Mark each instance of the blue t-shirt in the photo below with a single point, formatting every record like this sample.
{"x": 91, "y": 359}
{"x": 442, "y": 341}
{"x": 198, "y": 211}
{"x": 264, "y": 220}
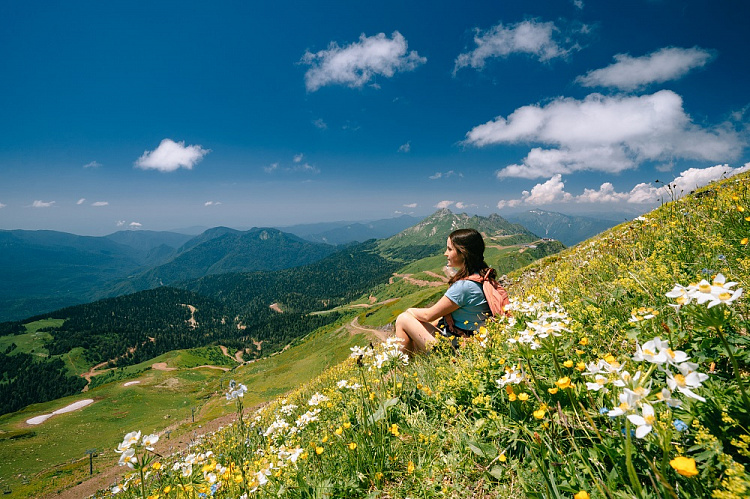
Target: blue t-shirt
{"x": 473, "y": 309}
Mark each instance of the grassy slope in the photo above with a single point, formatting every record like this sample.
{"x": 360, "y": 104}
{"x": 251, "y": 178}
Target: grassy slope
{"x": 33, "y": 458}
{"x": 459, "y": 434}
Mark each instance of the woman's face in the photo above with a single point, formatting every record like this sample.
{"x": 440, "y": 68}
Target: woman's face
{"x": 455, "y": 259}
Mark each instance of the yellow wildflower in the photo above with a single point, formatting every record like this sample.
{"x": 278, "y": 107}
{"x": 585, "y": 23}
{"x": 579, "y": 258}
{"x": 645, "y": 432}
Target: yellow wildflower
{"x": 582, "y": 495}
{"x": 523, "y": 396}
{"x": 512, "y": 397}
{"x": 502, "y": 458}
{"x": 352, "y": 445}
{"x": 319, "y": 450}
{"x": 563, "y": 382}
{"x": 685, "y": 466}
{"x": 156, "y": 466}
{"x": 339, "y": 431}
{"x": 568, "y": 363}
{"x": 167, "y": 489}
{"x": 410, "y": 467}
{"x": 539, "y": 413}
{"x": 584, "y": 341}
{"x": 744, "y": 241}
{"x": 581, "y": 366}
{"x": 552, "y": 390}
{"x": 347, "y": 425}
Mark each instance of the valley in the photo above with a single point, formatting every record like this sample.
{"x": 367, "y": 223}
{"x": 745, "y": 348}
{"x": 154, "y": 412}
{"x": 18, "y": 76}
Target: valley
{"x": 158, "y": 359}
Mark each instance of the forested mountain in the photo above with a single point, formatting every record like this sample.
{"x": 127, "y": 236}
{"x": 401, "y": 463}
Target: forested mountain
{"x": 51, "y": 269}
{"x": 568, "y": 229}
{"x": 429, "y": 235}
{"x": 222, "y": 250}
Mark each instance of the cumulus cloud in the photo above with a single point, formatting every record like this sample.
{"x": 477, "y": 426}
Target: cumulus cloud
{"x": 630, "y": 73}
{"x": 81, "y": 201}
{"x": 405, "y": 147}
{"x": 444, "y": 204}
{"x": 171, "y": 156}
{"x": 542, "y": 40}
{"x": 462, "y": 206}
{"x": 135, "y": 225}
{"x": 410, "y": 205}
{"x": 553, "y": 190}
{"x": 42, "y": 204}
{"x": 359, "y": 63}
{"x": 271, "y": 168}
{"x": 212, "y": 203}
{"x": 2, "y": 205}
{"x": 100, "y": 203}
{"x": 92, "y": 164}
{"x": 448, "y": 174}
{"x": 298, "y": 157}
{"x": 602, "y": 133}
{"x": 120, "y": 223}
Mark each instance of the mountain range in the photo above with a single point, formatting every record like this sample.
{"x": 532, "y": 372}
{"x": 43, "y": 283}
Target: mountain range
{"x": 568, "y": 229}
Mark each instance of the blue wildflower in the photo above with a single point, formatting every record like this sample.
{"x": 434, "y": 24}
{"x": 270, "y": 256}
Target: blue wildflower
{"x": 680, "y": 425}
{"x": 603, "y": 410}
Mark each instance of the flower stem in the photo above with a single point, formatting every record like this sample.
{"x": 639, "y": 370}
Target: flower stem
{"x": 735, "y": 366}
{"x": 629, "y": 460}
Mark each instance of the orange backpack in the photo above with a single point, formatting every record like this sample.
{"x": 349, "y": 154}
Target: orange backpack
{"x": 494, "y": 293}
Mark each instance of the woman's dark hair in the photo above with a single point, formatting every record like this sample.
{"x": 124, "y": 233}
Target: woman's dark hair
{"x": 470, "y": 244}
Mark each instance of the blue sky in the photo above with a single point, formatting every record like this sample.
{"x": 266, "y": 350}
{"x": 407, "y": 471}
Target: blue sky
{"x": 160, "y": 115}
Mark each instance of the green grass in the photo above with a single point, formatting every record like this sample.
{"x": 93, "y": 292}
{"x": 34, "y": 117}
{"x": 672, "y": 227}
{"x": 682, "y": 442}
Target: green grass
{"x": 33, "y": 341}
{"x": 43, "y": 455}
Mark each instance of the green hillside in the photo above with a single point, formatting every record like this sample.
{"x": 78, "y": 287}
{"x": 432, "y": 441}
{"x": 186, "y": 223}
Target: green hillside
{"x": 621, "y": 374}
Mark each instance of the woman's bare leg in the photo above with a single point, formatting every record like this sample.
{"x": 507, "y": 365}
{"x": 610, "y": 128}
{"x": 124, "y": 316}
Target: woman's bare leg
{"x": 416, "y": 335}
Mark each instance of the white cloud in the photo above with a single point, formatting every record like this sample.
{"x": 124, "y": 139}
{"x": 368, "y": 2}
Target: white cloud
{"x": 444, "y": 204}
{"x": 271, "y": 168}
{"x": 320, "y": 124}
{"x": 297, "y": 168}
{"x": 42, "y": 204}
{"x": 410, "y": 205}
{"x": 298, "y": 157}
{"x": 462, "y": 206}
{"x": 81, "y": 201}
{"x": 92, "y": 164}
{"x": 512, "y": 203}
{"x": 212, "y": 203}
{"x": 602, "y": 133}
{"x": 528, "y": 37}
{"x": 100, "y": 203}
{"x": 2, "y": 205}
{"x": 630, "y": 73}
{"x": 306, "y": 168}
{"x": 135, "y": 225}
{"x": 358, "y": 63}
{"x": 448, "y": 174}
{"x": 578, "y": 4}
{"x": 553, "y": 190}
{"x": 120, "y": 223}
{"x": 405, "y": 147}
{"x": 170, "y": 156}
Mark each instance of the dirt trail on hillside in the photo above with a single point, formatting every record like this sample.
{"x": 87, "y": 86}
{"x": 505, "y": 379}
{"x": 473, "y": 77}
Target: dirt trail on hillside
{"x": 419, "y": 282}
{"x": 354, "y": 326}
{"x": 165, "y": 446}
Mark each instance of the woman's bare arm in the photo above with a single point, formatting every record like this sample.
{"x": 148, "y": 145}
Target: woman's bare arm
{"x": 443, "y": 307}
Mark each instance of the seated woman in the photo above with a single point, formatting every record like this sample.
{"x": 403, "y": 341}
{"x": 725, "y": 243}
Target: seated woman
{"x": 464, "y": 300}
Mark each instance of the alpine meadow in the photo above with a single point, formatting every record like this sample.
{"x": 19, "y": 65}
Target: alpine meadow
{"x": 393, "y": 250}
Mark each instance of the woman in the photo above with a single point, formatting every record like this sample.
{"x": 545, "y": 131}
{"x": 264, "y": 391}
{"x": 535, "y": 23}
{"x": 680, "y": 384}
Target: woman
{"x": 464, "y": 300}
